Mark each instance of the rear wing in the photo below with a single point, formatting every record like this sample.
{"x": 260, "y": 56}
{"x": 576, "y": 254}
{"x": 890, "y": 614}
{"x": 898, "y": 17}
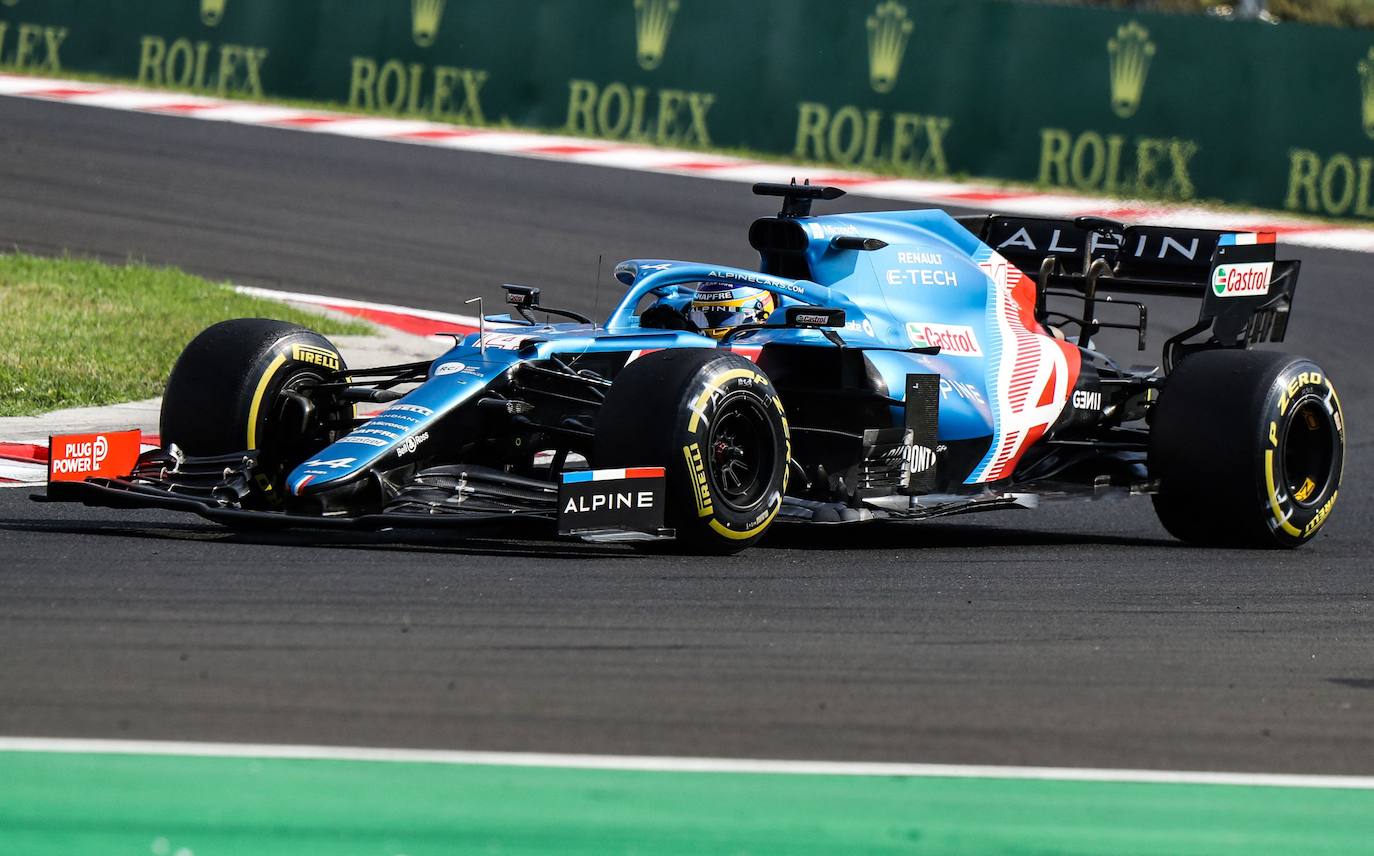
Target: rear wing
{"x": 1246, "y": 292}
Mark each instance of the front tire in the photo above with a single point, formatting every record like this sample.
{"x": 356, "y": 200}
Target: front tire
{"x": 244, "y": 385}
{"x": 1248, "y": 447}
{"x": 713, "y": 420}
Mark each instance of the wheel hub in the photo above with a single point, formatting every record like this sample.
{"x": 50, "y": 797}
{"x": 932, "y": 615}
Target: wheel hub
{"x": 1309, "y": 451}
{"x": 741, "y": 453}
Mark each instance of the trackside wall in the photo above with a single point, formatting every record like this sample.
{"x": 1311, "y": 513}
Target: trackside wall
{"x": 1152, "y": 105}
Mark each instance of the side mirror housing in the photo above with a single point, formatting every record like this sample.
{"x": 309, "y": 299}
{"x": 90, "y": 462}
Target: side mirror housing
{"x": 814, "y": 317}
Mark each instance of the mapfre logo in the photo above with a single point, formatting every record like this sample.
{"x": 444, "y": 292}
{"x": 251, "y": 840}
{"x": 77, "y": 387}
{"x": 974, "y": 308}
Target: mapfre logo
{"x": 1242, "y": 280}
{"x": 953, "y": 340}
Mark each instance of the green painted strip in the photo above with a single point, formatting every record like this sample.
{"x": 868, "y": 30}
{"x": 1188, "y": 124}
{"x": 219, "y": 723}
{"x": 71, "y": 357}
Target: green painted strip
{"x": 143, "y": 805}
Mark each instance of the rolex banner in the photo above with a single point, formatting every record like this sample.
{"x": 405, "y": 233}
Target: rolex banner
{"x": 1099, "y": 101}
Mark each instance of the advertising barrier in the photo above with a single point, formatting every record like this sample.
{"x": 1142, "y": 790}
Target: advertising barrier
{"x": 1100, "y": 101}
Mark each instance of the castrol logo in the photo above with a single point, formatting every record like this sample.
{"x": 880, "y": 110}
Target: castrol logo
{"x": 953, "y": 340}
{"x": 1242, "y": 280}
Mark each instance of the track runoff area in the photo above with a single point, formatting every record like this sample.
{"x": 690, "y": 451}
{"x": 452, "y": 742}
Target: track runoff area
{"x": 183, "y": 799}
{"x": 193, "y": 799}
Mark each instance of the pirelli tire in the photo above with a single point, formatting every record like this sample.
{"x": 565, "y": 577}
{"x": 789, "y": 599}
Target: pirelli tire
{"x": 714, "y": 421}
{"x": 231, "y": 391}
{"x": 1248, "y": 448}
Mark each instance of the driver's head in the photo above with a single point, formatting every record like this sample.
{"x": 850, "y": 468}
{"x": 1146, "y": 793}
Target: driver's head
{"x": 718, "y": 308}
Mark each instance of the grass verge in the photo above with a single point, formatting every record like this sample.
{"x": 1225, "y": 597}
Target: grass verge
{"x": 80, "y": 333}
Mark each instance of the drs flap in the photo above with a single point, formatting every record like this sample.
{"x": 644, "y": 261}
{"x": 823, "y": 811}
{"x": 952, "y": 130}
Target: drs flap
{"x": 78, "y": 457}
{"x": 627, "y": 500}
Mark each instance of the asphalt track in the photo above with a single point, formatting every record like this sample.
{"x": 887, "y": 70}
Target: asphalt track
{"x": 1076, "y": 635}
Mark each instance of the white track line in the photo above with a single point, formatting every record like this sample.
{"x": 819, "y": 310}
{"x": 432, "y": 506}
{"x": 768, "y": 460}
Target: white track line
{"x": 641, "y": 763}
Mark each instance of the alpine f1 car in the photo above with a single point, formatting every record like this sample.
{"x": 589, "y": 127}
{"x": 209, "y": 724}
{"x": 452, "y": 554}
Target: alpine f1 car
{"x": 893, "y": 366}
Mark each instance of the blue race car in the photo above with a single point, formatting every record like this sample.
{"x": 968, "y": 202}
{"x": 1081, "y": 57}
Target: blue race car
{"x": 882, "y": 366}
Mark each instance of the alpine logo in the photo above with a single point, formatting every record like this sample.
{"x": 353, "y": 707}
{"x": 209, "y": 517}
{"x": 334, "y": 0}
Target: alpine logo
{"x": 953, "y": 340}
{"x": 1242, "y": 280}
{"x": 609, "y": 501}
{"x": 628, "y": 500}
{"x": 1029, "y": 375}
{"x": 335, "y": 464}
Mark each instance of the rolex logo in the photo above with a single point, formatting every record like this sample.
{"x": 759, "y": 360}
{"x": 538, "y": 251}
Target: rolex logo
{"x": 1129, "y": 59}
{"x": 1366, "y": 67}
{"x": 888, "y": 30}
{"x": 212, "y": 11}
{"x": 425, "y": 16}
{"x": 653, "y": 22}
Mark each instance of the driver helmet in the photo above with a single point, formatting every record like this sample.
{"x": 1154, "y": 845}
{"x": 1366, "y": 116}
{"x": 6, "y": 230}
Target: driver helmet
{"x": 718, "y": 308}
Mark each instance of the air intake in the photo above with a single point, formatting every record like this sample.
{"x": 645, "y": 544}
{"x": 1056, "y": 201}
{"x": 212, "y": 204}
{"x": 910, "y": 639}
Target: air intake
{"x": 776, "y": 235}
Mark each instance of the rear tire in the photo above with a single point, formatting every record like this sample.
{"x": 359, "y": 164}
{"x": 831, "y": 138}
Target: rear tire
{"x": 714, "y": 422}
{"x": 1248, "y": 447}
{"x": 230, "y": 392}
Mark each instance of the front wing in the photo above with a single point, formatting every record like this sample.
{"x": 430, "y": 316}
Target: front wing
{"x": 600, "y": 505}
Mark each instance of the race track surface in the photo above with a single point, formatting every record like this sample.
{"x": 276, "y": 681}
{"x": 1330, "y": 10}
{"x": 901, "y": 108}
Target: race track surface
{"x": 1076, "y": 635}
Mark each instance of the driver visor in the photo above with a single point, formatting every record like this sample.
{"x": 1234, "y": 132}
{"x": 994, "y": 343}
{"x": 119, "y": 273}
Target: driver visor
{"x": 717, "y": 317}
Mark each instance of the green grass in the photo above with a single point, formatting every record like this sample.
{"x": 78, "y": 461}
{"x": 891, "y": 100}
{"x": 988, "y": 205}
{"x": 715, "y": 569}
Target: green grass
{"x": 79, "y": 333}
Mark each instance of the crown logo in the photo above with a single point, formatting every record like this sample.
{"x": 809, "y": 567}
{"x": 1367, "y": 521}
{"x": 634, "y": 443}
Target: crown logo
{"x": 888, "y": 30}
{"x": 653, "y": 22}
{"x": 1366, "y": 67}
{"x": 1129, "y": 59}
{"x": 425, "y": 16}
{"x": 212, "y": 11}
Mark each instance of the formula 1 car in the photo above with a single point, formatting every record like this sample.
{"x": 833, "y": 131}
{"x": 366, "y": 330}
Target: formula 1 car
{"x": 913, "y": 368}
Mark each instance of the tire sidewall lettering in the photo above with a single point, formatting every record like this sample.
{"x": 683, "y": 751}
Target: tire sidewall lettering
{"x": 1295, "y": 521}
{"x": 713, "y": 388}
{"x": 282, "y": 366}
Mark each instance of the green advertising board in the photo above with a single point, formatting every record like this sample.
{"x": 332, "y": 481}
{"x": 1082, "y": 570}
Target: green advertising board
{"x": 1099, "y": 101}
